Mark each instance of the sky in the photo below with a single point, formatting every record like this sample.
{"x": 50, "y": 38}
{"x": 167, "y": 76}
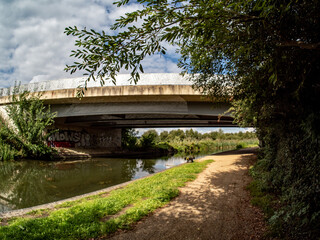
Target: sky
{"x": 34, "y": 47}
{"x": 33, "y": 44}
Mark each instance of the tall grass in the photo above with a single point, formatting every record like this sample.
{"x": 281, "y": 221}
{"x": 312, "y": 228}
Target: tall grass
{"x": 7, "y": 152}
{"x": 206, "y": 145}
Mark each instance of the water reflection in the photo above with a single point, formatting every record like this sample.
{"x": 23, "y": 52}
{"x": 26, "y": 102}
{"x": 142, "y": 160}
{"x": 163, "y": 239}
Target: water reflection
{"x": 29, "y": 183}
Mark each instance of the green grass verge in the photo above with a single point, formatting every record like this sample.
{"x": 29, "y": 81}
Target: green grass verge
{"x": 102, "y": 215}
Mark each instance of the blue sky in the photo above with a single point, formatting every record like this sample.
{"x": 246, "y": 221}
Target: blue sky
{"x": 34, "y": 48}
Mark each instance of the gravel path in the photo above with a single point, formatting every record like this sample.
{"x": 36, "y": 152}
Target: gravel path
{"x": 214, "y": 206}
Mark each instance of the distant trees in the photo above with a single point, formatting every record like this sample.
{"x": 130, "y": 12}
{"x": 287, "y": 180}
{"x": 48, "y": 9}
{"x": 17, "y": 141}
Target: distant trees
{"x": 152, "y": 139}
{"x": 195, "y": 135}
{"x": 164, "y": 135}
{"x": 177, "y": 138}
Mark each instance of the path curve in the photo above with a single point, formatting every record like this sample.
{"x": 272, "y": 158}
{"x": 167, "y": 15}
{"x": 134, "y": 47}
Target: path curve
{"x": 214, "y": 206}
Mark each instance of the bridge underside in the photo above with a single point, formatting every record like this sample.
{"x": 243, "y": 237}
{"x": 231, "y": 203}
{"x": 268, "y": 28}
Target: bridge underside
{"x": 98, "y": 125}
{"x": 146, "y": 121}
{"x": 144, "y": 115}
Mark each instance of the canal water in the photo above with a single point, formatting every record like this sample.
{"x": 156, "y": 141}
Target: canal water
{"x": 30, "y": 183}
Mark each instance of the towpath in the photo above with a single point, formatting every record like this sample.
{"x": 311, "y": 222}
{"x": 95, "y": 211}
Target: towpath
{"x": 214, "y": 206}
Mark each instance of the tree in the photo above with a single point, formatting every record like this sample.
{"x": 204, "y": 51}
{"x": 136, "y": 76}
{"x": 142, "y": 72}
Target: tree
{"x": 264, "y": 55}
{"x": 176, "y": 134}
{"x": 164, "y": 136}
{"x": 129, "y": 138}
{"x": 149, "y": 139}
{"x": 193, "y": 134}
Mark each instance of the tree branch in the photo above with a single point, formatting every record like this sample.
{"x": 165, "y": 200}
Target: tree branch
{"x": 300, "y": 44}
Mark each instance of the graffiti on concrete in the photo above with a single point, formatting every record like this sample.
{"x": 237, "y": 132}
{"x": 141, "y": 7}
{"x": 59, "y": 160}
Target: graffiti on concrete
{"x": 69, "y": 139}
{"x": 83, "y": 139}
{"x": 103, "y": 140}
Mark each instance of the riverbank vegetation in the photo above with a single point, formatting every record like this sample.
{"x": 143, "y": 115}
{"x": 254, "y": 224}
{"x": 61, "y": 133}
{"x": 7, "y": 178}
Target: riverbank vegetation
{"x": 25, "y": 134}
{"x": 187, "y": 142}
{"x": 100, "y": 215}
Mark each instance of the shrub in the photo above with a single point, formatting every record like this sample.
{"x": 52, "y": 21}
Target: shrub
{"x": 28, "y": 135}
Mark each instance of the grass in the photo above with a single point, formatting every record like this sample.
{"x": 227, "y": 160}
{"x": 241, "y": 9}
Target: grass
{"x": 7, "y": 153}
{"x": 99, "y": 215}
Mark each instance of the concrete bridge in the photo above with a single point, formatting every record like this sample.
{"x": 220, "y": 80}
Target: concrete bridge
{"x": 157, "y": 100}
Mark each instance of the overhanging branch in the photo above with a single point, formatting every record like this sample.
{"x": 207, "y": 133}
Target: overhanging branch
{"x": 300, "y": 44}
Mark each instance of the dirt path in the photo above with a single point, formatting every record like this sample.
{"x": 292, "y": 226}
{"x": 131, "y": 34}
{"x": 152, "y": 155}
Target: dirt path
{"x": 214, "y": 206}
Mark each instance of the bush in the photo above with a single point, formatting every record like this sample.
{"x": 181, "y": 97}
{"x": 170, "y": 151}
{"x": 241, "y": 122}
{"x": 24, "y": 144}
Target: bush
{"x": 289, "y": 168}
{"x": 28, "y": 135}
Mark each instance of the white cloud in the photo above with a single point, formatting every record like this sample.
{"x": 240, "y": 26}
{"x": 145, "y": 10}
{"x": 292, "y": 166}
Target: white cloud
{"x": 159, "y": 64}
{"x": 34, "y": 47}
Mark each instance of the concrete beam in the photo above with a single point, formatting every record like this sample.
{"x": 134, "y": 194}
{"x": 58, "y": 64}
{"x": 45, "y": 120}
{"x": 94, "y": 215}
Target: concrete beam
{"x": 120, "y": 94}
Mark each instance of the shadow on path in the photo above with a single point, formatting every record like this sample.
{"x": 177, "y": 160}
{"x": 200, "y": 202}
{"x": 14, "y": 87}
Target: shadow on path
{"x": 252, "y": 150}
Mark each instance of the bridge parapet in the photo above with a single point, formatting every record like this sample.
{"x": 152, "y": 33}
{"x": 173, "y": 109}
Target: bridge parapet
{"x": 151, "y": 86}
{"x": 122, "y": 80}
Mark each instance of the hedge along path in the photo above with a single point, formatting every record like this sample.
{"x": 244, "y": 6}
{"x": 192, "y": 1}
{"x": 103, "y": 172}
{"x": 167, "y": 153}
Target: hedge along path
{"x": 105, "y": 213}
{"x": 214, "y": 206}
